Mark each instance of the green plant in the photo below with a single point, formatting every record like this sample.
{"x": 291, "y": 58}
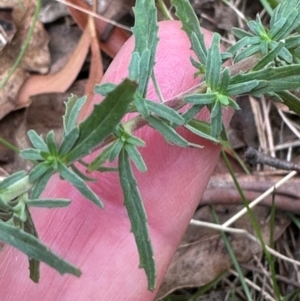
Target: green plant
{"x": 265, "y": 63}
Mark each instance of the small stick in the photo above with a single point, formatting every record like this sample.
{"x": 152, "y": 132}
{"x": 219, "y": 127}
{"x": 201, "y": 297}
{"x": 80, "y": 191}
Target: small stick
{"x": 254, "y": 157}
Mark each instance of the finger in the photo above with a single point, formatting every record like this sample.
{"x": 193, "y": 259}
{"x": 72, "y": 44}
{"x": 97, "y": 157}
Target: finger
{"x": 100, "y": 242}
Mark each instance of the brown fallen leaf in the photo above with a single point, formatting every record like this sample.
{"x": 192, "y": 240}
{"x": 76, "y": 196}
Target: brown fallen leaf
{"x": 115, "y": 41}
{"x": 96, "y": 66}
{"x": 36, "y": 58}
{"x": 7, "y": 27}
{"x": 202, "y": 255}
{"x": 61, "y": 81}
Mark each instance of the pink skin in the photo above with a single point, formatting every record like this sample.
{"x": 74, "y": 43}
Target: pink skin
{"x": 99, "y": 241}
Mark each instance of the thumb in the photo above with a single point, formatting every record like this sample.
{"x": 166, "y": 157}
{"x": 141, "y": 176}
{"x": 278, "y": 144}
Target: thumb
{"x": 100, "y": 242}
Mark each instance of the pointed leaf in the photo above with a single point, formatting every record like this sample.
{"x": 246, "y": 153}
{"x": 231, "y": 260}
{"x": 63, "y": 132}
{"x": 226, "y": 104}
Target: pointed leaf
{"x": 145, "y": 32}
{"x": 135, "y": 141}
{"x": 100, "y": 159}
{"x": 37, "y": 141}
{"x": 168, "y": 132}
{"x": 242, "y": 88}
{"x": 165, "y": 112}
{"x": 103, "y": 120}
{"x": 38, "y": 171}
{"x": 68, "y": 142}
{"x": 73, "y": 107}
{"x": 82, "y": 175}
{"x": 190, "y": 21}
{"x": 50, "y": 140}
{"x": 136, "y": 157}
{"x": 41, "y": 183}
{"x": 269, "y": 57}
{"x": 33, "y": 248}
{"x": 192, "y": 112}
{"x": 201, "y": 99}
{"x": 202, "y": 129}
{"x": 115, "y": 150}
{"x": 73, "y": 178}
{"x": 214, "y": 63}
{"x": 104, "y": 89}
{"x": 31, "y": 154}
{"x": 216, "y": 120}
{"x": 48, "y": 203}
{"x": 138, "y": 219}
{"x": 12, "y": 179}
{"x": 140, "y": 103}
{"x": 291, "y": 100}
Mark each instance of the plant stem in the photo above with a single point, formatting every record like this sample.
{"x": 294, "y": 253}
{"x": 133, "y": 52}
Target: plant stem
{"x": 178, "y": 101}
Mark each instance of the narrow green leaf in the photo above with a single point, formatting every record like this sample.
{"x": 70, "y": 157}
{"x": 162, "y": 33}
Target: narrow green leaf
{"x": 82, "y": 175}
{"x": 140, "y": 103}
{"x": 82, "y": 187}
{"x": 240, "y": 44}
{"x": 33, "y": 248}
{"x": 168, "y": 132}
{"x": 240, "y": 33}
{"x": 145, "y": 32}
{"x": 68, "y": 142}
{"x": 100, "y": 159}
{"x": 284, "y": 53}
{"x": 48, "y": 203}
{"x": 104, "y": 89}
{"x": 37, "y": 141}
{"x": 201, "y": 99}
{"x": 103, "y": 120}
{"x": 291, "y": 100}
{"x": 50, "y": 140}
{"x": 269, "y": 57}
{"x": 34, "y": 264}
{"x": 247, "y": 52}
{"x": 136, "y": 157}
{"x": 115, "y": 150}
{"x": 292, "y": 41}
{"x": 202, "y": 129}
{"x": 242, "y": 88}
{"x": 192, "y": 112}
{"x": 270, "y": 73}
{"x": 190, "y": 21}
{"x": 165, "y": 112}
{"x": 135, "y": 141}
{"x": 138, "y": 219}
{"x": 73, "y": 107}
{"x": 224, "y": 81}
{"x": 145, "y": 71}
{"x": 38, "y": 171}
{"x": 255, "y": 27}
{"x": 197, "y": 47}
{"x": 214, "y": 63}
{"x": 12, "y": 179}
{"x": 276, "y": 28}
{"x": 134, "y": 68}
{"x": 31, "y": 154}
{"x": 41, "y": 183}
{"x": 282, "y": 10}
{"x": 216, "y": 120}
{"x": 289, "y": 25}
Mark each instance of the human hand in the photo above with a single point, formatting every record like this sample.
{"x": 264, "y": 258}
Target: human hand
{"x": 100, "y": 241}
